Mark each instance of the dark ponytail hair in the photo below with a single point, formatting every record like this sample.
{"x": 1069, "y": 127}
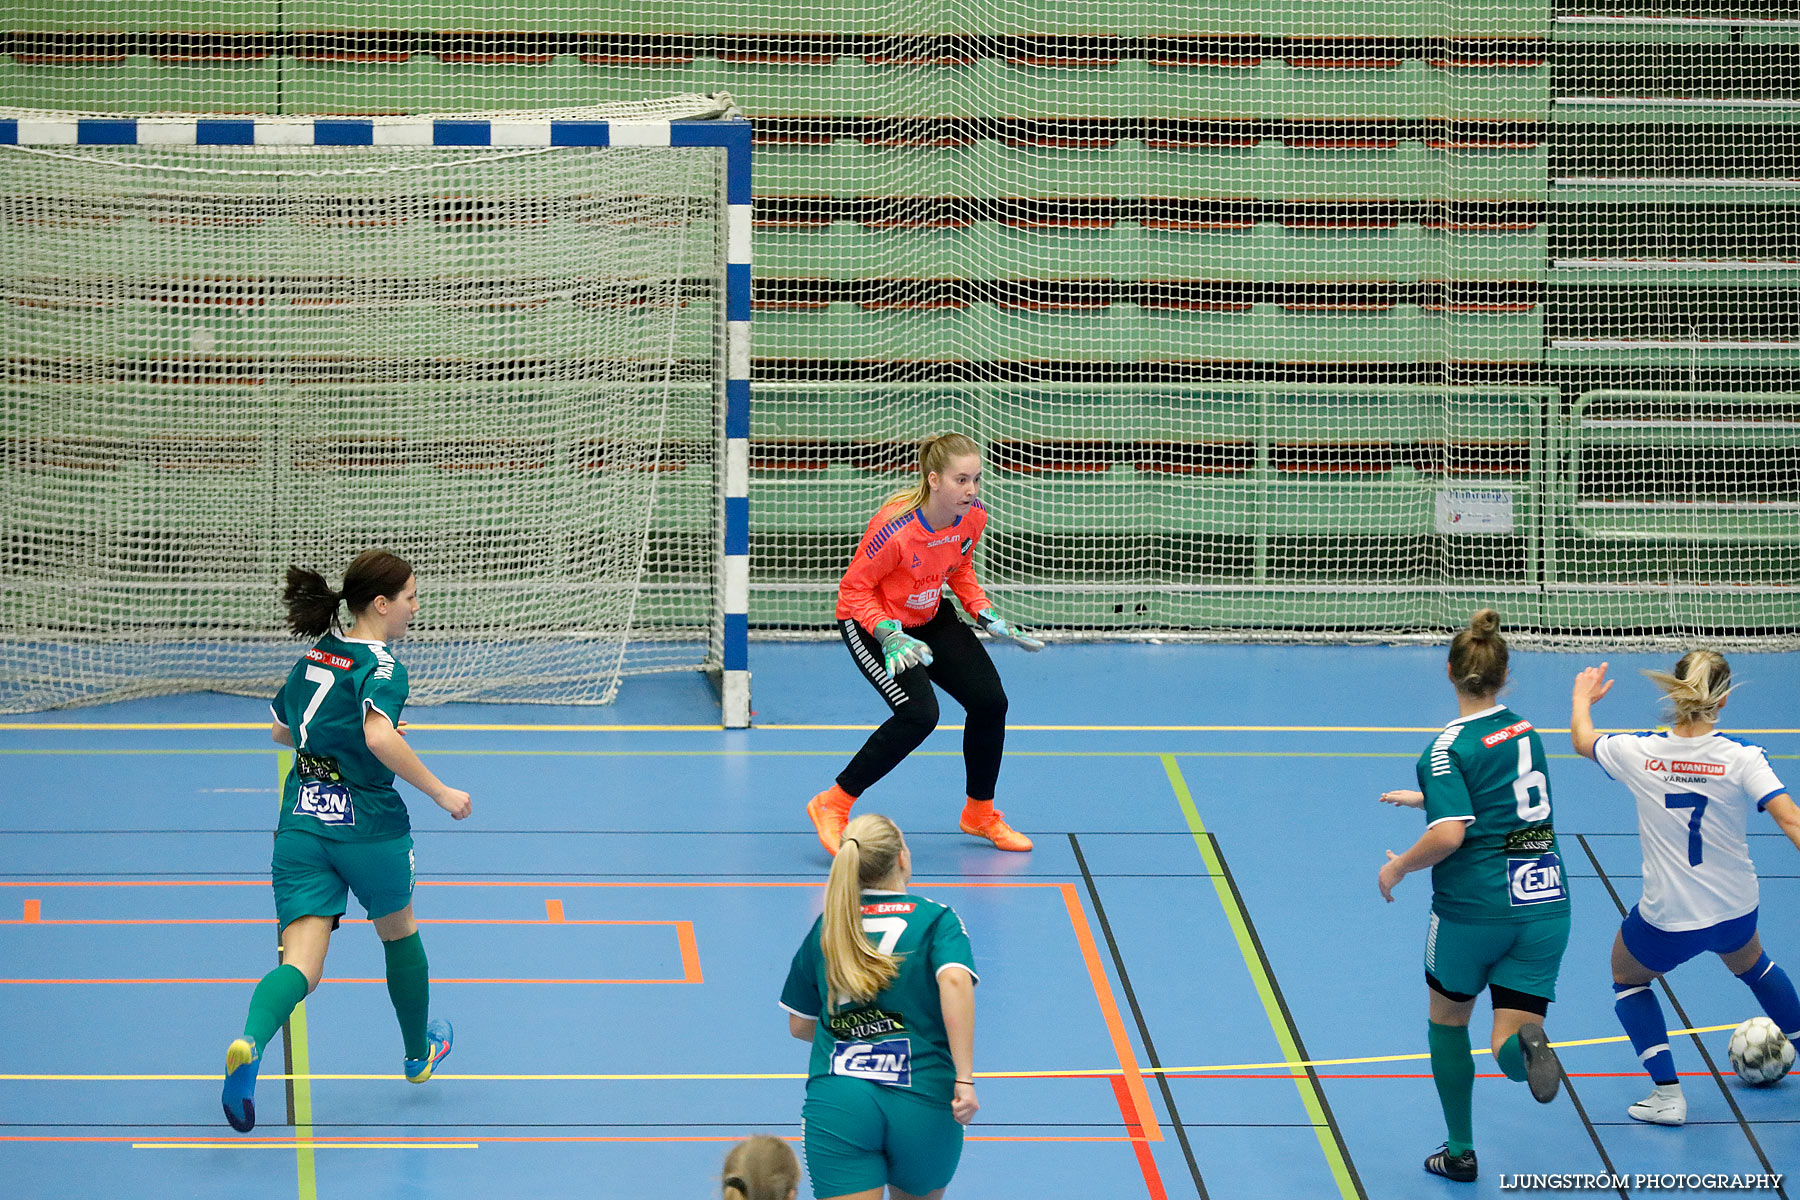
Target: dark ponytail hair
{"x": 1478, "y": 656}
{"x": 312, "y": 605}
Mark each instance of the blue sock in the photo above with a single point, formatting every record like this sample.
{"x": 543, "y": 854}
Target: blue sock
{"x": 1775, "y": 992}
{"x": 1642, "y": 1018}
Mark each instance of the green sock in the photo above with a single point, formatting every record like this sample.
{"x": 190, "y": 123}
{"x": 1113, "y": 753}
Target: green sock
{"x": 409, "y": 987}
{"x": 1454, "y": 1072}
{"x": 274, "y": 998}
{"x": 1511, "y": 1058}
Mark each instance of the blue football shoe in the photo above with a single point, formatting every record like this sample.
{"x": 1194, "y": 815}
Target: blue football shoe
{"x": 439, "y": 1036}
{"x": 242, "y": 1061}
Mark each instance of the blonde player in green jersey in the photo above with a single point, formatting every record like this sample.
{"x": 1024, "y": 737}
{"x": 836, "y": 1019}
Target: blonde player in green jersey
{"x": 884, "y": 989}
{"x": 760, "y": 1168}
{"x": 343, "y": 826}
{"x": 1499, "y": 902}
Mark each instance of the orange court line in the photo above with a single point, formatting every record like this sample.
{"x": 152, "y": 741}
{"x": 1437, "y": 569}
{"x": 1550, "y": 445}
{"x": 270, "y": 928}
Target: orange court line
{"x": 1109, "y": 1009}
{"x": 690, "y": 952}
{"x": 1090, "y": 954}
{"x": 684, "y": 936}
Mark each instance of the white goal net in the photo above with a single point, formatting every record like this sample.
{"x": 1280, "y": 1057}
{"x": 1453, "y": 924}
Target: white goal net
{"x": 503, "y": 362}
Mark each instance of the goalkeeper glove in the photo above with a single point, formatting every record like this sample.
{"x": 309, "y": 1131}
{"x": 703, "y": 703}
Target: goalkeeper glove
{"x": 996, "y": 625}
{"x": 899, "y": 649}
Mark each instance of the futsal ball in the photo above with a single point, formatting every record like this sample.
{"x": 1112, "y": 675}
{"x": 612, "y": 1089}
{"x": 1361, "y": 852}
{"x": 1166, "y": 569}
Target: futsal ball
{"x": 1760, "y": 1052}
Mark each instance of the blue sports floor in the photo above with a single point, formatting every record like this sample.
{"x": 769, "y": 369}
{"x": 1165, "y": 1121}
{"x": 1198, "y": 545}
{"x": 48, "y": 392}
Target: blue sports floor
{"x": 610, "y": 930}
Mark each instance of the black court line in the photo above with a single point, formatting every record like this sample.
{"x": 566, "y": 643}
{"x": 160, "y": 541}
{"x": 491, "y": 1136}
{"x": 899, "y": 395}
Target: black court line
{"x": 1287, "y": 1015}
{"x": 1137, "y": 1014}
{"x": 1681, "y": 1015}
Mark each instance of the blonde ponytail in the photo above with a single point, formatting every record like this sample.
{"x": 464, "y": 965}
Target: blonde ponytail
{"x": 760, "y": 1168}
{"x": 1697, "y": 687}
{"x": 935, "y": 454}
{"x": 868, "y": 852}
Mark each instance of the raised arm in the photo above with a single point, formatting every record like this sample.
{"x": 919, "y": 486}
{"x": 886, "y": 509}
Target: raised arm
{"x": 387, "y": 744}
{"x": 956, "y": 994}
{"x": 1590, "y": 686}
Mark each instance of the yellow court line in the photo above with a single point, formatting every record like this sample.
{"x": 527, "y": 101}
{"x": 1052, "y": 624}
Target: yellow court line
{"x": 308, "y": 1148}
{"x": 455, "y": 727}
{"x": 741, "y": 1076}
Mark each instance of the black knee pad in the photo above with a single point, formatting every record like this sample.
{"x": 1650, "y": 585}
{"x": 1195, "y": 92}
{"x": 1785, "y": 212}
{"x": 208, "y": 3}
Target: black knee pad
{"x": 1431, "y": 981}
{"x": 1505, "y": 997}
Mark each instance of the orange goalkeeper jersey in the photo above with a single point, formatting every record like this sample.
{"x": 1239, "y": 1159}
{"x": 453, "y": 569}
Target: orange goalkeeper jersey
{"x": 902, "y": 564}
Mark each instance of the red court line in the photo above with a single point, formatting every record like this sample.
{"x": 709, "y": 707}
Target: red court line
{"x": 1145, "y": 1160}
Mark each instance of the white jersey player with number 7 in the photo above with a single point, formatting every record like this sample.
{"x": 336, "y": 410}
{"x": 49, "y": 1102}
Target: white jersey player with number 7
{"x": 1695, "y": 788}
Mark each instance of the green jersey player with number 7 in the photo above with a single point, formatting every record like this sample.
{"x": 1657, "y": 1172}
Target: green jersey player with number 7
{"x": 1499, "y": 901}
{"x": 884, "y": 990}
{"x": 343, "y": 825}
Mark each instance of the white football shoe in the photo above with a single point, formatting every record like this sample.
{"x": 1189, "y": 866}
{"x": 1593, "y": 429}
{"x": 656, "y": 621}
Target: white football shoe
{"x": 1664, "y": 1106}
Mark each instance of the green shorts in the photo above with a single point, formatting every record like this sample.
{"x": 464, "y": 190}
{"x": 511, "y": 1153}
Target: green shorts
{"x": 313, "y": 874}
{"x": 1468, "y": 956}
{"x": 861, "y": 1135}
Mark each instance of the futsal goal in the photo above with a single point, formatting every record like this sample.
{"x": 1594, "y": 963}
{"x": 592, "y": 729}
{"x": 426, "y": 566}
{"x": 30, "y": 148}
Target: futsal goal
{"x": 510, "y": 347}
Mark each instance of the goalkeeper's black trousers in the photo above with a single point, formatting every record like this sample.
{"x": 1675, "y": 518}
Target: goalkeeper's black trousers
{"x": 961, "y": 666}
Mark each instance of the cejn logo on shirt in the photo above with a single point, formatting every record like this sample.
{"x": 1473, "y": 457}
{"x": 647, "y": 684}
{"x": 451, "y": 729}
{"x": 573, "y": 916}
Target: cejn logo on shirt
{"x": 887, "y": 1062}
{"x": 329, "y": 802}
{"x": 1534, "y": 880}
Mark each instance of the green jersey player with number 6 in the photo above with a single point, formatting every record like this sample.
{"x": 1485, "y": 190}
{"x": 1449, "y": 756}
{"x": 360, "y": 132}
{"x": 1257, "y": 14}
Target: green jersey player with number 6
{"x": 884, "y": 989}
{"x": 343, "y": 826}
{"x": 1500, "y": 903}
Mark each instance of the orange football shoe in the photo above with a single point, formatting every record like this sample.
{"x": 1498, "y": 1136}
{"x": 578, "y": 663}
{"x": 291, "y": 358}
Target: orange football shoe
{"x": 830, "y": 812}
{"x": 986, "y": 821}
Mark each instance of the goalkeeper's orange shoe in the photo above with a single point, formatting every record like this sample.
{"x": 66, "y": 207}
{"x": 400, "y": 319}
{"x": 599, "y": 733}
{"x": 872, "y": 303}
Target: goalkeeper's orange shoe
{"x": 986, "y": 821}
{"x": 830, "y": 812}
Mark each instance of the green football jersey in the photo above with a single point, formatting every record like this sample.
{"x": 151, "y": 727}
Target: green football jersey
{"x": 338, "y": 789}
{"x": 896, "y": 1039}
{"x": 1490, "y": 767}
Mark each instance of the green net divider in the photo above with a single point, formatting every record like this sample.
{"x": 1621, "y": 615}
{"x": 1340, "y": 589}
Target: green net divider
{"x": 1280, "y": 321}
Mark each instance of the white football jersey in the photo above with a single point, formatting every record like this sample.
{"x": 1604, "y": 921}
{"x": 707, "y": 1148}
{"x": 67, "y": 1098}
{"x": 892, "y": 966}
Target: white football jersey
{"x": 1694, "y": 797}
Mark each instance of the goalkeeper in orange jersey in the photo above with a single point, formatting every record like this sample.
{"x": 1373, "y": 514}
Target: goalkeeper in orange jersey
{"x": 903, "y": 639}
